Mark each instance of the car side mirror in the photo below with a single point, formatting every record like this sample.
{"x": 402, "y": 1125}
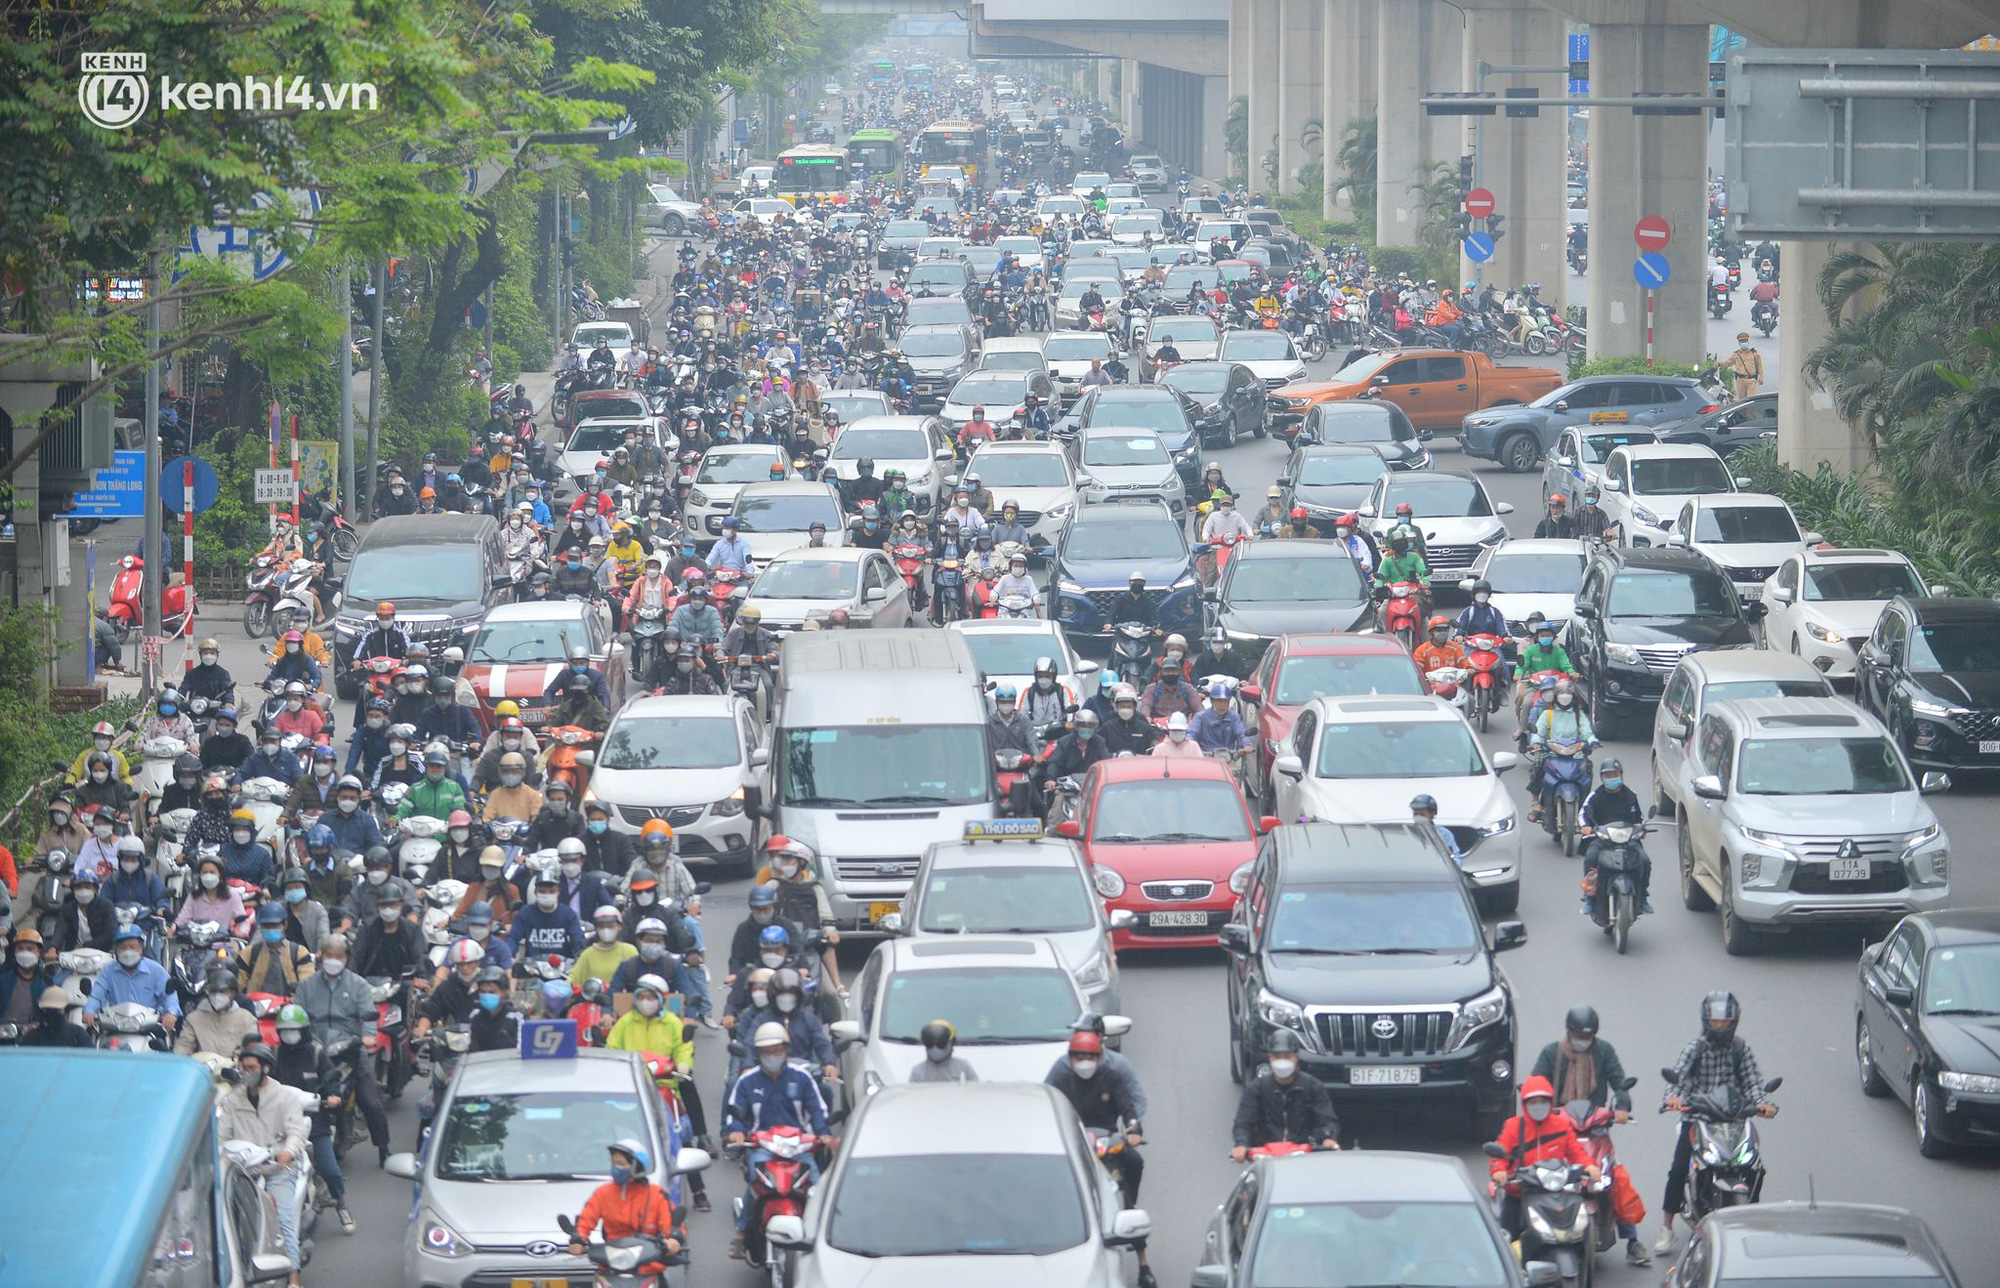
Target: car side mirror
{"x": 1209, "y": 1277}
{"x": 1935, "y": 782}
{"x": 875, "y": 595}
{"x": 1379, "y": 381}
{"x": 1562, "y": 406}
{"x": 1289, "y": 766}
{"x": 1069, "y": 828}
{"x": 785, "y": 1231}
{"x": 1708, "y": 787}
{"x": 1814, "y": 538}
{"x": 1122, "y": 919}
{"x": 1783, "y": 594}
{"x": 1234, "y": 937}
{"x": 1509, "y": 934}
{"x": 1466, "y": 584}
{"x": 1129, "y": 1227}
{"x": 1614, "y": 485}
{"x": 1897, "y": 994}
{"x": 1564, "y": 462}
{"x": 1587, "y": 611}
{"x": 891, "y": 923}
{"x": 1741, "y": 481}
{"x": 1757, "y": 610}
{"x": 1284, "y": 480}
{"x": 1673, "y": 729}
{"x": 951, "y": 480}
{"x": 1677, "y": 539}
{"x": 1504, "y": 761}
{"x": 268, "y": 1267}
{"x": 499, "y": 581}
{"x": 1504, "y": 507}
{"x": 689, "y": 1159}
{"x": 401, "y": 1165}
{"x": 1116, "y": 1026}
{"x": 842, "y": 1030}
{"x": 1366, "y": 512}
{"x": 1088, "y": 666}
{"x": 1251, "y": 693}
{"x": 760, "y": 757}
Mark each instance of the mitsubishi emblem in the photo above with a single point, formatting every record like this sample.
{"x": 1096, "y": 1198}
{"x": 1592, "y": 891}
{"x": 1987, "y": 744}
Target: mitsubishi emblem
{"x": 1849, "y": 850}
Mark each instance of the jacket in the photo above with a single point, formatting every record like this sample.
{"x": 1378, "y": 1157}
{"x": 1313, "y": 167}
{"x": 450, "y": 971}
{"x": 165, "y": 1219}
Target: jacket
{"x": 1269, "y": 1111}
{"x": 433, "y": 799}
{"x": 760, "y": 1100}
{"x": 388, "y": 950}
{"x": 607, "y": 852}
{"x": 273, "y": 1116}
{"x": 540, "y": 934}
{"x": 451, "y": 723}
{"x": 361, "y": 897}
{"x": 220, "y": 1032}
{"x": 263, "y": 969}
{"x": 520, "y": 801}
{"x": 743, "y": 948}
{"x": 809, "y": 1040}
{"x": 1605, "y": 805}
{"x": 304, "y": 1067}
{"x": 1074, "y": 755}
{"x": 548, "y": 827}
{"x": 250, "y": 863}
{"x": 84, "y": 926}
{"x": 664, "y": 1035}
{"x": 307, "y": 923}
{"x": 1527, "y": 1141}
{"x": 355, "y": 833}
{"x": 601, "y": 962}
{"x": 338, "y": 1006}
{"x": 1553, "y": 1064}
{"x": 637, "y": 1207}
{"x": 1108, "y": 1102}
{"x": 1135, "y": 736}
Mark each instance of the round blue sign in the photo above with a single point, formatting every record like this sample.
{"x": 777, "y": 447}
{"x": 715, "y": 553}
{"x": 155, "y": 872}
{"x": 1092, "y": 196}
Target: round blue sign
{"x": 1651, "y": 270}
{"x": 1479, "y": 247}
{"x": 173, "y": 484}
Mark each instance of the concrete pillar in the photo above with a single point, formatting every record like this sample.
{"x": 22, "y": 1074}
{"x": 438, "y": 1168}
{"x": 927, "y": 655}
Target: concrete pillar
{"x": 1239, "y": 48}
{"x": 1213, "y": 163}
{"x": 1647, "y": 165}
{"x": 1347, "y": 87}
{"x": 1300, "y": 68}
{"x": 1519, "y": 160}
{"x": 1265, "y": 47}
{"x": 1809, "y": 429}
{"x": 1403, "y": 63}
{"x": 1130, "y": 101}
{"x": 1101, "y": 85}
{"x": 1446, "y": 37}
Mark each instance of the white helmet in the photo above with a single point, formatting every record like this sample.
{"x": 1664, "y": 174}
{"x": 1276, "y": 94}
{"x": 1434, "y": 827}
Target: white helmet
{"x": 464, "y": 951}
{"x": 771, "y": 1033}
{"x": 569, "y": 848}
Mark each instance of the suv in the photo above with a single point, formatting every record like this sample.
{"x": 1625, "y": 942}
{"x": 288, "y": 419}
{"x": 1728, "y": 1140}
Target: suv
{"x": 1703, "y": 679}
{"x": 1517, "y": 437}
{"x": 1748, "y": 533}
{"x": 1645, "y": 486}
{"x": 1931, "y": 672}
{"x": 1161, "y": 408}
{"x": 1362, "y": 939}
{"x": 1807, "y": 813}
{"x": 1101, "y": 546}
{"x": 1638, "y": 614}
{"x": 442, "y": 571}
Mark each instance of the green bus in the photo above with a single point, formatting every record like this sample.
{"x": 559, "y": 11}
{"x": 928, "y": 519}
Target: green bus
{"x": 874, "y": 152}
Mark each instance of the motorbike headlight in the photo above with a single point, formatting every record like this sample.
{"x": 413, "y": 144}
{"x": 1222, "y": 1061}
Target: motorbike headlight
{"x": 1095, "y": 973}
{"x": 1280, "y": 1012}
{"x": 1539, "y": 1224}
{"x": 729, "y": 806}
{"x": 1825, "y": 634}
{"x": 1623, "y": 654}
{"x": 1984, "y": 1084}
{"x": 1108, "y": 883}
{"x": 440, "y": 1240}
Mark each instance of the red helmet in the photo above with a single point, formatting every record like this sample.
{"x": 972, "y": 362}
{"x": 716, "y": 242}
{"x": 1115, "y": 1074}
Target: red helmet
{"x": 459, "y": 818}
{"x": 1299, "y": 512}
{"x": 1086, "y": 1042}
{"x": 385, "y": 609}
{"x": 1557, "y": 499}
{"x": 1348, "y": 520}
{"x": 294, "y": 637}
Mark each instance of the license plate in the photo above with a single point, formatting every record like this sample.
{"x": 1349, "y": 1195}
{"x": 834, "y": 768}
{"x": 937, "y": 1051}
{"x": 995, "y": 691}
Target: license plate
{"x": 877, "y": 911}
{"x": 1989, "y": 748}
{"x": 1162, "y": 919}
{"x": 1394, "y": 1075}
{"x": 534, "y": 715}
{"x": 1848, "y": 869}
{"x": 538, "y": 1283}
{"x": 393, "y": 1017}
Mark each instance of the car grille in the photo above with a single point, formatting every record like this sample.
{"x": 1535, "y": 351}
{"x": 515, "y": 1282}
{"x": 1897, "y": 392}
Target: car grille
{"x": 1884, "y": 877}
{"x": 1276, "y": 382}
{"x": 1213, "y": 921}
{"x": 1976, "y": 724}
{"x": 1406, "y": 1034}
{"x": 440, "y": 634}
{"x": 1029, "y": 518}
{"x": 1663, "y": 657}
{"x": 1828, "y": 847}
{"x": 694, "y": 847}
{"x": 883, "y": 869}
{"x": 1746, "y": 575}
{"x": 1106, "y": 602}
{"x": 1451, "y": 558}
{"x": 1172, "y": 891}
{"x": 540, "y": 1273}
{"x": 678, "y": 816}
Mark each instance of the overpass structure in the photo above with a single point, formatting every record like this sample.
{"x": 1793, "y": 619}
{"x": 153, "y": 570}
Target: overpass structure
{"x": 1307, "y": 68}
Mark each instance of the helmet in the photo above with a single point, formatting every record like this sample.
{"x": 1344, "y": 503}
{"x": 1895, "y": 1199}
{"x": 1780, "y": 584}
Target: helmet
{"x": 291, "y": 637}
{"x": 1282, "y": 1042}
{"x": 660, "y": 829}
{"x": 1423, "y": 800}
{"x": 938, "y": 1033}
{"x": 494, "y": 975}
{"x": 130, "y": 845}
{"x": 569, "y": 847}
{"x": 377, "y": 857}
{"x": 241, "y": 815}
{"x": 506, "y": 708}
{"x": 319, "y": 837}
{"x": 787, "y": 980}
{"x": 1719, "y": 1016}
{"x": 292, "y": 1016}
{"x": 209, "y": 645}
{"x": 465, "y": 951}
{"x": 440, "y": 684}
{"x": 296, "y": 689}
{"x": 459, "y": 818}
{"x": 1218, "y": 690}
{"x": 1581, "y": 1019}
{"x": 764, "y": 896}
{"x": 771, "y": 1033}
{"x": 219, "y": 981}
{"x": 512, "y": 760}
{"x": 607, "y": 912}
{"x": 1084, "y": 1041}
{"x": 271, "y": 914}
{"x": 1610, "y": 765}
{"x": 632, "y": 1149}
{"x": 1482, "y": 587}
{"x": 1438, "y": 622}
{"x": 750, "y": 614}
{"x": 1556, "y": 500}
{"x": 774, "y": 936}
{"x": 258, "y": 1050}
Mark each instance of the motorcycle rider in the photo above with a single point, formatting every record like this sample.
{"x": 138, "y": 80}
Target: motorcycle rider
{"x": 1592, "y": 523}
{"x": 1404, "y": 563}
{"x": 1540, "y": 653}
{"x": 1562, "y": 721}
{"x": 864, "y": 486}
{"x": 369, "y": 743}
{"x": 1714, "y": 1062}
{"x": 1480, "y": 617}
{"x": 1557, "y": 524}
{"x": 1045, "y": 703}
{"x": 556, "y": 821}
{"x": 84, "y": 920}
{"x": 1223, "y": 522}
{"x": 1540, "y": 1132}
{"x": 402, "y": 764}
{"x": 1114, "y": 1105}
{"x": 131, "y": 976}
{"x": 306, "y": 920}
{"x": 304, "y": 1066}
{"x": 390, "y": 944}
{"x": 436, "y": 794}
{"x": 545, "y": 924}
{"x": 1079, "y": 749}
{"x": 1217, "y": 727}
{"x": 53, "y": 1027}
{"x": 939, "y": 1064}
{"x": 218, "y": 1024}
{"x": 1347, "y": 532}
{"x": 272, "y": 962}
{"x": 1283, "y": 1103}
{"x": 1424, "y": 813}
{"x": 210, "y": 679}
{"x": 605, "y": 852}
{"x": 511, "y": 798}
{"x": 771, "y": 1093}
{"x": 258, "y": 1109}
{"x": 397, "y": 499}
{"x": 1440, "y": 650}
{"x": 1127, "y": 732}
{"x": 244, "y": 857}
{"x": 1611, "y": 801}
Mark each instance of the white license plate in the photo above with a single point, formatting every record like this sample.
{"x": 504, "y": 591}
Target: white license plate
{"x": 1991, "y": 748}
{"x": 1394, "y": 1075}
{"x": 1848, "y": 869}
{"x": 1162, "y": 919}
{"x": 392, "y": 1017}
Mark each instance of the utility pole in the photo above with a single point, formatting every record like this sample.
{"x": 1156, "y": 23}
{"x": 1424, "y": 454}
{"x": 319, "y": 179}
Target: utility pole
{"x": 157, "y": 562}
{"x": 375, "y": 377}
{"x": 343, "y": 291}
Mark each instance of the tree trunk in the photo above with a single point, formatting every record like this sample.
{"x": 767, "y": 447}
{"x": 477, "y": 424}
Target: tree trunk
{"x": 246, "y": 393}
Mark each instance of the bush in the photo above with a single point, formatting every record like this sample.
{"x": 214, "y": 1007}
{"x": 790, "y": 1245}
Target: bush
{"x": 33, "y": 742}
{"x": 1579, "y": 367}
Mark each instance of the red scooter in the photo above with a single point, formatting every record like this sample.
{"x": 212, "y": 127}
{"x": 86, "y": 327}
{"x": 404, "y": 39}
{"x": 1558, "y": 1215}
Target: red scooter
{"x": 779, "y": 1184}
{"x": 123, "y": 609}
{"x": 727, "y": 588}
{"x": 1482, "y": 658}
{"x": 1402, "y": 611}
{"x": 910, "y": 557}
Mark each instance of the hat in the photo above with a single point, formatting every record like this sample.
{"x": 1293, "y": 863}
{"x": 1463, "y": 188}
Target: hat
{"x": 1177, "y": 722}
{"x": 54, "y": 998}
{"x": 1743, "y": 335}
{"x": 771, "y": 1033}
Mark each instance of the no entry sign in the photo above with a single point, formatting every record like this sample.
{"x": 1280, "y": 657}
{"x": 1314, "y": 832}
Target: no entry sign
{"x": 1652, "y": 233}
{"x": 1479, "y": 203}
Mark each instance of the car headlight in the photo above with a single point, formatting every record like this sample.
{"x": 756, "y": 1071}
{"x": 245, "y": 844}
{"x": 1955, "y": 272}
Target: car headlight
{"x": 1279, "y": 1012}
{"x": 1488, "y": 1008}
{"x": 1108, "y": 883}
{"x": 341, "y": 627}
{"x": 1922, "y": 836}
{"x": 1776, "y": 840}
{"x": 1070, "y": 588}
{"x": 1826, "y": 635}
{"x": 1501, "y": 828}
{"x": 1623, "y": 654}
{"x": 1751, "y": 866}
{"x": 1982, "y": 1083}
{"x": 1239, "y": 880}
{"x": 1242, "y": 637}
{"x": 729, "y": 806}
{"x": 440, "y": 1240}
{"x": 697, "y": 497}
{"x": 920, "y": 479}
{"x": 1058, "y": 513}
{"x": 1095, "y": 973}
{"x": 463, "y": 694}
{"x": 1932, "y": 709}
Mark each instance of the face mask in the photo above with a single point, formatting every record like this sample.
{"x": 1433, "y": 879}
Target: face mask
{"x": 489, "y": 1001}
{"x": 559, "y": 808}
{"x": 103, "y": 744}
{"x": 1581, "y": 1044}
{"x": 458, "y": 834}
{"x": 292, "y": 650}
{"x": 608, "y": 935}
{"x": 333, "y": 966}
{"x": 323, "y": 771}
{"x": 1284, "y": 1069}
{"x": 1537, "y": 1109}
{"x": 1565, "y": 700}
{"x": 209, "y": 659}
{"x": 546, "y": 902}
{"x": 99, "y": 775}
{"x": 220, "y": 1001}
{"x": 1613, "y": 784}
{"x": 511, "y": 743}
{"x": 773, "y": 960}
{"x": 398, "y": 748}
{"x": 210, "y": 880}
{"x": 572, "y": 870}
{"x": 85, "y": 894}
{"x": 397, "y": 491}
{"x": 270, "y": 749}
{"x": 28, "y": 958}
{"x": 787, "y": 1003}
{"x": 772, "y": 1064}
{"x": 241, "y": 835}
{"x": 252, "y": 1078}
{"x": 1127, "y": 710}
{"x": 434, "y": 773}
{"x": 103, "y": 830}
{"x": 291, "y": 1037}
{"x": 128, "y": 957}
{"x": 168, "y": 711}
{"x": 273, "y": 935}
{"x": 1085, "y": 733}
{"x": 378, "y": 876}
{"x": 1085, "y": 1069}
{"x": 645, "y": 898}
{"x": 441, "y": 701}
{"x": 596, "y": 826}
{"x": 390, "y": 913}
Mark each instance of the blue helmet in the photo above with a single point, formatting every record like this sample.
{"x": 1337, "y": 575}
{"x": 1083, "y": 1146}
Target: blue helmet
{"x": 634, "y": 1150}
{"x": 765, "y": 895}
{"x": 1218, "y": 690}
{"x": 1006, "y": 693}
{"x": 555, "y": 993}
{"x": 319, "y": 837}
{"x": 774, "y": 936}
{"x": 479, "y": 914}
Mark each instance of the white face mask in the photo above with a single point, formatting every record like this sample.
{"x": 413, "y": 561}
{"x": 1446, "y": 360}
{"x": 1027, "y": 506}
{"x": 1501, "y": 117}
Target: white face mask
{"x": 27, "y": 958}
{"x": 85, "y": 894}
{"x": 644, "y": 898}
{"x": 458, "y": 834}
{"x": 772, "y": 1064}
{"x": 789, "y": 868}
{"x": 378, "y": 876}
{"x": 1284, "y": 1068}
{"x": 220, "y": 1001}
{"x": 572, "y": 870}
{"x": 787, "y": 1003}
{"x": 510, "y": 743}
{"x": 129, "y": 957}
{"x": 333, "y": 966}
{"x": 210, "y": 880}
{"x": 390, "y": 913}
{"x": 323, "y": 770}
{"x": 1085, "y": 1069}
{"x": 647, "y": 1006}
{"x": 241, "y": 835}
{"x": 760, "y": 997}
{"x": 774, "y": 960}
{"x": 398, "y": 748}
{"x": 349, "y": 806}
{"x": 99, "y": 775}
{"x": 546, "y": 902}
{"x": 608, "y": 935}
{"x": 103, "y": 830}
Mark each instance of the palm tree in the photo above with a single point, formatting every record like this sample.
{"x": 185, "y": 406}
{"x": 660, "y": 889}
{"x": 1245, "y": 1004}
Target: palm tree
{"x": 1236, "y": 134}
{"x": 1356, "y": 160}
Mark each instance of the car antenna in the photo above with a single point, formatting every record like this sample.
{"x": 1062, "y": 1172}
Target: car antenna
{"x": 1812, "y": 1195}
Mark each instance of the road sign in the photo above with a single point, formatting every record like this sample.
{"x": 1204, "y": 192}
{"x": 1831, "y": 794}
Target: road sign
{"x": 115, "y": 493}
{"x": 1479, "y": 247}
{"x": 1652, "y": 233}
{"x": 274, "y": 487}
{"x": 173, "y": 484}
{"x": 1479, "y": 203}
{"x": 1651, "y": 271}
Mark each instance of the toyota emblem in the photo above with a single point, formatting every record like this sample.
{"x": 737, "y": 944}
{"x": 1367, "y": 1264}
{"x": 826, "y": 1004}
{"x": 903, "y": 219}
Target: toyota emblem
{"x": 1384, "y": 1028}
{"x": 542, "y": 1248}
{"x": 1849, "y": 850}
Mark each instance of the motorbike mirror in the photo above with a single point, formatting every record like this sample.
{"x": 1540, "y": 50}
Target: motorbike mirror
{"x": 566, "y": 1225}
{"x": 737, "y": 1049}
{"x": 1773, "y": 1085}
{"x": 1628, "y": 1084}
{"x": 785, "y": 1231}
{"x": 402, "y": 1165}
{"x": 1494, "y": 1149}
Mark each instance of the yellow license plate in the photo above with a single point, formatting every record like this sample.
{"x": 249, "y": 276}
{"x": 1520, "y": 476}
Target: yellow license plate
{"x": 1610, "y": 417}
{"x": 538, "y": 1283}
{"x": 877, "y": 911}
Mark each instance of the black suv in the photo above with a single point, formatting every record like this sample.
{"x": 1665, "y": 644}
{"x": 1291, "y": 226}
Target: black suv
{"x": 441, "y": 571}
{"x": 1363, "y": 940}
{"x": 1639, "y": 612}
{"x": 1931, "y": 672}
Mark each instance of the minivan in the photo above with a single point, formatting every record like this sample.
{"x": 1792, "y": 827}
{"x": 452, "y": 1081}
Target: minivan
{"x": 441, "y": 571}
{"x": 938, "y": 357}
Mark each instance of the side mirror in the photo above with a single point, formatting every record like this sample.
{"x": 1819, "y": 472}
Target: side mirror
{"x": 1586, "y": 610}
{"x": 1613, "y": 485}
{"x": 1131, "y": 1226}
{"x": 1209, "y": 1277}
{"x": 1757, "y": 610}
{"x": 1070, "y": 829}
{"x": 1234, "y": 937}
{"x": 1935, "y": 782}
{"x": 1897, "y": 994}
{"x": 1564, "y": 462}
{"x": 1509, "y": 934}
{"x": 842, "y": 1030}
{"x": 1088, "y": 666}
{"x": 1289, "y": 766}
{"x": 875, "y": 595}
{"x": 1783, "y": 594}
{"x": 499, "y": 581}
{"x": 690, "y": 1159}
{"x": 1673, "y": 729}
{"x": 1708, "y": 787}
{"x": 1284, "y": 480}
{"x": 586, "y": 757}
{"x": 1563, "y": 405}
{"x": 785, "y": 1231}
{"x": 1366, "y": 512}
{"x": 1467, "y": 583}
{"x": 760, "y": 757}
{"x": 1504, "y": 761}
{"x": 1504, "y": 507}
{"x": 1677, "y": 539}
{"x": 1122, "y": 919}
{"x": 403, "y": 1165}
{"x": 1267, "y": 823}
{"x": 1494, "y": 1149}
{"x": 1814, "y": 538}
{"x": 1251, "y": 693}
{"x": 1116, "y": 1026}
{"x": 891, "y": 923}
{"x": 951, "y": 480}
{"x": 1379, "y": 381}
{"x": 1740, "y": 481}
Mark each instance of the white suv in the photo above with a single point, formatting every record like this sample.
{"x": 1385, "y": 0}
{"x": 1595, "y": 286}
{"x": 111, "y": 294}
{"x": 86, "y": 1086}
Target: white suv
{"x": 1823, "y": 604}
{"x": 1646, "y": 485}
{"x": 1747, "y": 534}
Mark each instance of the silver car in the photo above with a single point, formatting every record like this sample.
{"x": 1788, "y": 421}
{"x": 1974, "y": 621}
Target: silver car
{"x": 1119, "y": 464}
{"x": 810, "y": 582}
{"x": 724, "y": 471}
{"x": 684, "y": 758}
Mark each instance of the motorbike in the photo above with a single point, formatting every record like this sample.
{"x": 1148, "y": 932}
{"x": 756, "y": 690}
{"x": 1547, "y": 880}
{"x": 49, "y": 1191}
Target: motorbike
{"x": 750, "y": 677}
{"x": 294, "y": 605}
{"x": 1764, "y": 316}
{"x": 1726, "y": 1166}
{"x": 262, "y": 584}
{"x": 204, "y": 945}
{"x": 1449, "y": 683}
{"x": 1482, "y": 657}
{"x": 131, "y": 1026}
{"x": 779, "y": 1186}
{"x": 265, "y": 799}
{"x": 1565, "y": 782}
{"x": 155, "y": 772}
{"x": 443, "y": 897}
{"x": 649, "y": 628}
{"x": 1132, "y": 652}
{"x": 727, "y": 588}
{"x": 1402, "y": 611}
{"x": 1593, "y": 1130}
{"x": 442, "y": 1048}
{"x": 910, "y": 557}
{"x": 421, "y": 837}
{"x": 635, "y": 1261}
{"x": 1215, "y": 561}
{"x": 124, "y": 610}
{"x": 1614, "y": 885}
{"x": 1016, "y": 607}
{"x": 169, "y": 845}
{"x": 570, "y": 756}
{"x": 948, "y": 583}
{"x": 1559, "y": 1204}
{"x": 1718, "y": 301}
{"x": 386, "y": 1035}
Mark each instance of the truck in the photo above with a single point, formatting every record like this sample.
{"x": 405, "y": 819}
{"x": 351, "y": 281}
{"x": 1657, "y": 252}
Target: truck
{"x": 1436, "y": 388}
{"x": 633, "y": 314}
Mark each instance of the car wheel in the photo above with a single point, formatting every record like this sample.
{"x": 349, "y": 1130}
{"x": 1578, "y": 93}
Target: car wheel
{"x": 673, "y": 225}
{"x": 1263, "y": 426}
{"x": 1693, "y": 897}
{"x": 1738, "y": 940}
{"x": 1503, "y": 901}
{"x": 1872, "y": 1083}
{"x": 1520, "y": 453}
{"x": 1237, "y": 1062}
{"x": 1924, "y": 1109}
{"x": 1663, "y": 804}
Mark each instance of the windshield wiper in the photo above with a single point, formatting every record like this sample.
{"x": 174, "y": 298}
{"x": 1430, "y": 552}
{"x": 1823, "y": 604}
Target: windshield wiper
{"x": 912, "y": 799}
{"x": 812, "y": 801}
{"x": 1962, "y": 1010}
{"x": 1187, "y": 836}
{"x": 1327, "y": 952}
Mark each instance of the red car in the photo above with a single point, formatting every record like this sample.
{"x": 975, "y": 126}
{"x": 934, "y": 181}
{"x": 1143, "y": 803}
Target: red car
{"x": 1298, "y": 668}
{"x": 1163, "y": 839}
{"x": 520, "y": 649}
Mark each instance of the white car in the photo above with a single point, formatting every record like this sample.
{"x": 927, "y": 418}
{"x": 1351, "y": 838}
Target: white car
{"x": 1459, "y": 520}
{"x": 852, "y": 404}
{"x": 724, "y": 471}
{"x": 1823, "y": 604}
{"x": 1579, "y": 456}
{"x": 1269, "y": 355}
{"x": 1134, "y": 226}
{"x": 1069, "y": 300}
{"x": 685, "y": 759}
{"x": 920, "y": 446}
{"x": 616, "y": 335}
{"x": 1747, "y": 534}
{"x": 1194, "y": 336}
{"x": 773, "y": 518}
{"x": 1069, "y": 354}
{"x": 674, "y": 213}
{"x": 1088, "y": 181}
{"x": 593, "y": 440}
{"x": 1007, "y": 649}
{"x": 1027, "y": 251}
{"x": 1532, "y": 576}
{"x": 1001, "y": 393}
{"x": 1010, "y": 353}
{"x": 1645, "y": 486}
{"x": 1036, "y": 477}
{"x": 762, "y": 208}
{"x": 805, "y": 583}
{"x": 761, "y": 176}
{"x": 1361, "y": 759}
{"x": 1059, "y": 204}
{"x": 1114, "y": 463}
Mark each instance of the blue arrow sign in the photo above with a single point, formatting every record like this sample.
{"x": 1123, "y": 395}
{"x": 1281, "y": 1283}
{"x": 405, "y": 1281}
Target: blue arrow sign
{"x": 173, "y": 484}
{"x": 1651, "y": 270}
{"x": 115, "y": 493}
{"x": 1479, "y": 247}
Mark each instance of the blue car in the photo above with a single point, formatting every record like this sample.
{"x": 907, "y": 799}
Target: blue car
{"x": 1093, "y": 562}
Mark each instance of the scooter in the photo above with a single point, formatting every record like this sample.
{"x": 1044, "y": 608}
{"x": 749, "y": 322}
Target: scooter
{"x": 265, "y": 799}
{"x": 636, "y": 1261}
{"x": 156, "y": 771}
{"x": 779, "y": 1184}
{"x": 1402, "y": 607}
{"x": 385, "y": 1034}
{"x": 1764, "y": 316}
{"x": 570, "y": 757}
{"x": 131, "y": 1026}
{"x": 649, "y": 628}
{"x": 1593, "y": 1130}
{"x": 421, "y": 840}
{"x": 1558, "y": 1206}
{"x": 1614, "y": 885}
{"x": 948, "y": 581}
{"x": 1016, "y": 607}
{"x": 1132, "y": 652}
{"x": 261, "y": 1163}
{"x": 910, "y": 557}
{"x": 1565, "y": 782}
{"x": 261, "y": 595}
{"x": 1482, "y": 657}
{"x": 1726, "y": 1166}
{"x": 1449, "y": 683}
{"x": 442, "y": 1048}
{"x": 1718, "y": 301}
{"x": 123, "y": 610}
{"x": 294, "y": 606}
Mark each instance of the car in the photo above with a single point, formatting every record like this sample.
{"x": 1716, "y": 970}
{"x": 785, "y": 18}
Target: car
{"x": 606, "y": 404}
{"x": 1924, "y": 1005}
{"x": 984, "y": 260}
{"x": 443, "y": 572}
{"x": 1383, "y": 426}
{"x": 1121, "y": 190}
{"x": 1638, "y": 613}
{"x": 773, "y": 518}
{"x": 941, "y": 277}
{"x": 1269, "y": 354}
{"x": 899, "y": 241}
{"x": 1577, "y": 460}
{"x": 1007, "y": 648}
{"x": 1076, "y": 281}
{"x": 1016, "y": 353}
{"x": 758, "y": 174}
{"x": 1036, "y": 476}
{"x": 1362, "y": 940}
{"x": 938, "y": 310}
{"x": 1275, "y": 588}
{"x": 1135, "y": 226}
{"x": 616, "y": 335}
{"x": 1119, "y": 463}
{"x": 1739, "y": 424}
{"x": 1802, "y": 811}
{"x": 1266, "y": 254}
{"x": 1361, "y": 759}
{"x": 593, "y": 440}
{"x": 519, "y": 650}
{"x": 1101, "y": 546}
{"x": 939, "y": 248}
{"x": 1166, "y": 841}
{"x": 1002, "y": 393}
{"x": 725, "y": 470}
{"x": 852, "y": 404}
{"x": 1012, "y": 999}
{"x": 1049, "y": 207}
{"x": 1646, "y": 485}
{"x": 1234, "y": 232}
{"x": 1194, "y": 336}
{"x": 1026, "y": 250}
{"x": 1012, "y": 881}
{"x": 1823, "y": 604}
{"x": 1168, "y": 412}
{"x": 1183, "y": 278}
{"x": 1458, "y": 519}
{"x": 513, "y": 1136}
{"x": 1148, "y": 171}
{"x": 1802, "y": 1244}
{"x": 1085, "y": 182}
{"x": 805, "y": 583}
{"x": 1395, "y": 1218}
{"x": 1931, "y": 672}
{"x": 1298, "y": 668}
{"x": 674, "y": 213}
{"x": 1069, "y": 355}
{"x": 920, "y": 446}
{"x": 764, "y": 208}
{"x": 938, "y": 356}
{"x": 1533, "y": 575}
{"x": 1441, "y": 390}
{"x": 1518, "y": 437}
{"x": 1133, "y": 261}
{"x": 910, "y": 1195}
{"x": 686, "y": 759}
{"x": 1228, "y": 397}
{"x": 1270, "y": 225}
{"x": 1747, "y": 534}
{"x": 1200, "y": 206}
{"x": 1702, "y": 679}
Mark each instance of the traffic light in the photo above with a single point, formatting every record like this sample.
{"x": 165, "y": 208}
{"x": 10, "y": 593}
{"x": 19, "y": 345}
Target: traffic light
{"x": 1461, "y": 224}
{"x": 1493, "y": 223}
{"x": 1464, "y": 177}
{"x": 568, "y": 253}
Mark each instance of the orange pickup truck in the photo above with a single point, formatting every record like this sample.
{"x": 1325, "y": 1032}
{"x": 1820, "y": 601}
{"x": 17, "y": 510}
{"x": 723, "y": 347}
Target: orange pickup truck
{"x": 1436, "y": 388}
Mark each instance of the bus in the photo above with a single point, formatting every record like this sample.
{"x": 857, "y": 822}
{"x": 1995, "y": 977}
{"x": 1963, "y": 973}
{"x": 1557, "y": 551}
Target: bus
{"x": 873, "y": 152}
{"x": 881, "y": 73}
{"x": 813, "y": 171}
{"x": 957, "y": 142}
{"x": 917, "y": 76}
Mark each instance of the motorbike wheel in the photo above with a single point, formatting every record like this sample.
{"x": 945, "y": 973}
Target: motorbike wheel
{"x": 345, "y": 542}
{"x": 1407, "y": 637}
{"x": 1566, "y": 825}
{"x": 1313, "y": 348}
{"x": 1623, "y": 908}
{"x": 778, "y": 1265}
{"x": 282, "y": 621}
{"x": 1482, "y": 707}
{"x": 256, "y": 617}
{"x": 1536, "y": 344}
{"x": 1574, "y": 342}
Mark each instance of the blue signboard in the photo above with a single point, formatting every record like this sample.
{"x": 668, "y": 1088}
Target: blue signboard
{"x": 1479, "y": 247}
{"x": 173, "y": 484}
{"x": 1651, "y": 270}
{"x": 115, "y": 493}
{"x": 548, "y": 1039}
{"x": 1579, "y": 52}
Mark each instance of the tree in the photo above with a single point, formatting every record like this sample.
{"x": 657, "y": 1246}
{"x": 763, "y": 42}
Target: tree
{"x": 1236, "y": 135}
{"x": 1356, "y": 162}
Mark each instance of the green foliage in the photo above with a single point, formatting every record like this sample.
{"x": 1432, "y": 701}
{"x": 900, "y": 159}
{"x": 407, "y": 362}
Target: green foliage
{"x": 1437, "y": 233}
{"x": 1236, "y": 136}
{"x": 34, "y": 743}
{"x": 1355, "y": 163}
{"x": 1629, "y": 366}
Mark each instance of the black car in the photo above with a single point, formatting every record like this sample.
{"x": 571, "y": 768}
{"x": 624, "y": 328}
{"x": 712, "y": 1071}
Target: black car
{"x": 1330, "y": 479}
{"x": 1931, "y": 672}
{"x": 1363, "y": 940}
{"x": 1273, "y": 588}
{"x": 1167, "y": 411}
{"x": 1740, "y": 424}
{"x": 1381, "y": 425}
{"x": 1639, "y": 612}
{"x": 441, "y": 571}
{"x": 1228, "y": 396}
{"x": 1798, "y": 1244}
{"x": 1927, "y": 1025}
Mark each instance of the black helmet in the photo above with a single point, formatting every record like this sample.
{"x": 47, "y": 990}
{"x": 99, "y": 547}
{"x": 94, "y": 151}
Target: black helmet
{"x": 262, "y": 1052}
{"x": 494, "y": 975}
{"x": 1423, "y": 800}
{"x": 1282, "y": 1042}
{"x": 441, "y": 684}
{"x": 1610, "y": 765}
{"x": 1581, "y": 1019}
{"x": 866, "y": 465}
{"x": 1482, "y": 585}
{"x": 1719, "y": 1016}
{"x": 377, "y": 857}
{"x": 187, "y": 763}
{"x": 938, "y": 1033}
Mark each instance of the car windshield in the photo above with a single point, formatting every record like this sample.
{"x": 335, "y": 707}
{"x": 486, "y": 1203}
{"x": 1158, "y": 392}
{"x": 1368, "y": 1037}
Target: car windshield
{"x": 1410, "y": 1245}
{"x": 932, "y": 344}
{"x": 1819, "y": 767}
{"x": 1026, "y": 1004}
{"x": 615, "y": 336}
{"x": 1197, "y": 383}
{"x": 1743, "y": 690}
{"x": 1014, "y": 652}
{"x": 1963, "y": 981}
{"x": 1187, "y": 331}
{"x": 1344, "y": 426}
{"x": 1596, "y": 447}
{"x": 609, "y": 406}
{"x": 1361, "y": 369}
{"x": 1371, "y": 919}
{"x": 1391, "y": 749}
{"x": 517, "y": 641}
{"x": 1135, "y": 224}
{"x": 1535, "y": 574}
{"x": 1345, "y": 675}
{"x": 1168, "y": 809}
{"x": 1113, "y": 450}
{"x": 1006, "y": 900}
{"x": 938, "y": 1205}
{"x": 1681, "y": 476}
{"x": 1295, "y": 579}
{"x": 905, "y": 229}
{"x": 804, "y": 579}
{"x": 856, "y": 442}
{"x": 1163, "y": 415}
{"x": 1019, "y": 469}
{"x": 1017, "y": 246}
{"x": 736, "y": 467}
{"x": 1076, "y": 348}
{"x": 1182, "y": 278}
{"x": 1745, "y": 524}
{"x": 1002, "y": 389}
{"x": 1109, "y": 287}
{"x": 941, "y": 310}
{"x": 853, "y": 406}
{"x": 1438, "y": 496}
{"x": 1966, "y": 646}
{"x": 1060, "y": 205}
{"x": 885, "y": 766}
{"x": 1160, "y": 539}
{"x": 1006, "y": 360}
{"x": 1347, "y": 467}
{"x": 1257, "y": 346}
{"x": 1868, "y": 581}
{"x": 670, "y": 742}
{"x": 598, "y": 435}
{"x": 780, "y": 513}
{"x": 536, "y": 1135}
{"x": 429, "y": 572}
{"x": 1671, "y": 594}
